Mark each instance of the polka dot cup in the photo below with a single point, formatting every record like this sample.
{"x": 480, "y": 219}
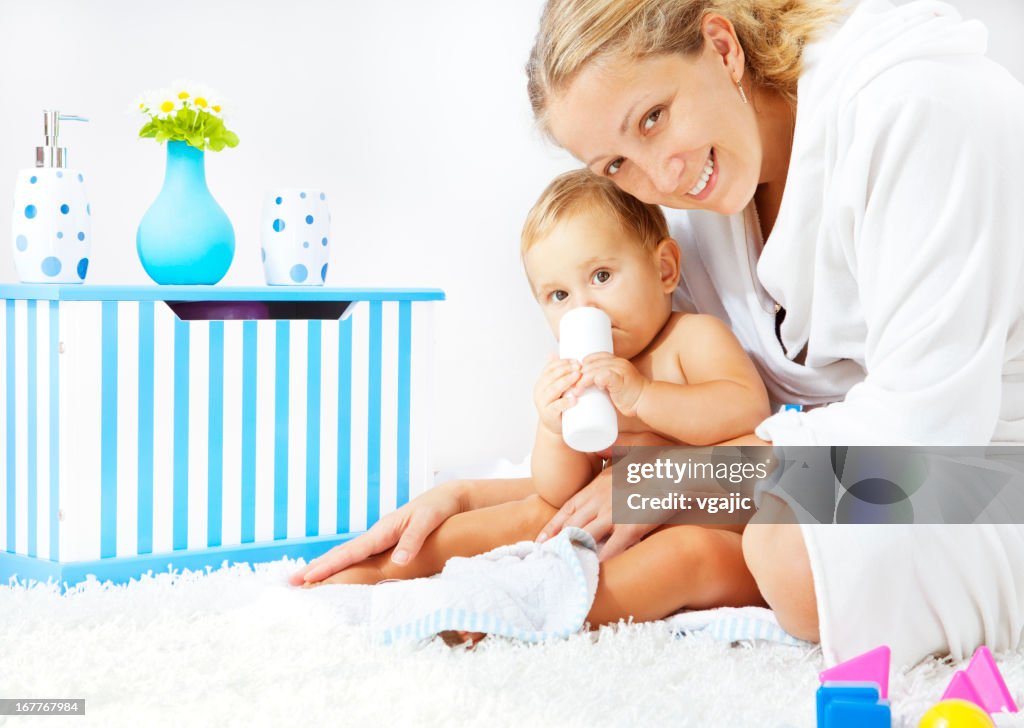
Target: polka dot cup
{"x": 50, "y": 226}
{"x": 294, "y": 237}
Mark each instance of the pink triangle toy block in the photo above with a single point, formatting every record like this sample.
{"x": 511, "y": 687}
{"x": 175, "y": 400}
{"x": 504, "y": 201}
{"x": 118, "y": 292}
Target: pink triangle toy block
{"x": 961, "y": 687}
{"x": 872, "y": 666}
{"x": 982, "y": 684}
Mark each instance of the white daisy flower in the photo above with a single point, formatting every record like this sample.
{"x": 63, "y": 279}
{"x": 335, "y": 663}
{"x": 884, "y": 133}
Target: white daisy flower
{"x": 182, "y": 90}
{"x": 141, "y": 104}
{"x": 163, "y": 103}
{"x": 201, "y": 97}
{"x": 218, "y": 103}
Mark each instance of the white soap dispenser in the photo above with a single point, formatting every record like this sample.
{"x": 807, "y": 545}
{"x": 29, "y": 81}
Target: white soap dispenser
{"x": 50, "y": 222}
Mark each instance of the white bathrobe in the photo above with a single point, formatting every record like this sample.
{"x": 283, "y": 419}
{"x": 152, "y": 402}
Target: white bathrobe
{"x": 898, "y": 255}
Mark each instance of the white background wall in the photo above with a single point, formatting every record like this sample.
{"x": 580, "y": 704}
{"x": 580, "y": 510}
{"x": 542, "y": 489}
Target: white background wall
{"x": 411, "y": 115}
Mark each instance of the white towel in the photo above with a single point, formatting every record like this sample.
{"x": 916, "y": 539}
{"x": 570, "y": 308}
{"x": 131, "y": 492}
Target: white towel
{"x": 529, "y": 591}
{"x": 733, "y": 624}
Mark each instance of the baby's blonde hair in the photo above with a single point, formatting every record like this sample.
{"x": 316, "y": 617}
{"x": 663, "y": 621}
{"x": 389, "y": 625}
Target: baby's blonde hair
{"x": 582, "y": 189}
{"x": 574, "y": 33}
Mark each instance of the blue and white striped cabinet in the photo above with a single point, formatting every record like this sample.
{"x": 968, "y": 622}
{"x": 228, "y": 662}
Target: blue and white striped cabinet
{"x": 185, "y": 426}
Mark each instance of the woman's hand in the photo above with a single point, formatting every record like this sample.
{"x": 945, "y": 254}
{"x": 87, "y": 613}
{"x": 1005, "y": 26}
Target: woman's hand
{"x": 408, "y": 527}
{"x": 591, "y": 510}
{"x": 555, "y": 380}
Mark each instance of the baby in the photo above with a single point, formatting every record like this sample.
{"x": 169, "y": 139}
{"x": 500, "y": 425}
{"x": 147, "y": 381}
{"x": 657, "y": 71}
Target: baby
{"x": 675, "y": 378}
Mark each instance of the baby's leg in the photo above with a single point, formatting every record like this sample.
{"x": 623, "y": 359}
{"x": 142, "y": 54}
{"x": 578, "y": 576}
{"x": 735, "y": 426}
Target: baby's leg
{"x": 464, "y": 534}
{"x": 674, "y": 567}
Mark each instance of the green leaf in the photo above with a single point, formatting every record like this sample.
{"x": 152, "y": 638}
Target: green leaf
{"x": 198, "y": 128}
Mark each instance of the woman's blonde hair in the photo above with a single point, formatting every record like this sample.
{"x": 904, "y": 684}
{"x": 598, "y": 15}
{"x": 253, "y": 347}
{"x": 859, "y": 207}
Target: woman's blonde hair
{"x": 574, "y": 33}
{"x": 582, "y": 189}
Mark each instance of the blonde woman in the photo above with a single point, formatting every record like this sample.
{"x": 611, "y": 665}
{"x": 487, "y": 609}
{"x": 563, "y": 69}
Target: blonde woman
{"x": 850, "y": 184}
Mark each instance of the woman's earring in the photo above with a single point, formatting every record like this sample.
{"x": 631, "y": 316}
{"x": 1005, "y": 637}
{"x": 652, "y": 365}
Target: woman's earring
{"x": 743, "y": 96}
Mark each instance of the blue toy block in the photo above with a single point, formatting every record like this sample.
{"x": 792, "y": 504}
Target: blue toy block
{"x": 843, "y": 714}
{"x": 847, "y": 694}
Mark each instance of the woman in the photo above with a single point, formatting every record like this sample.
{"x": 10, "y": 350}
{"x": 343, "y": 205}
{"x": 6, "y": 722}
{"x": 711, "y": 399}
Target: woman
{"x": 853, "y": 186}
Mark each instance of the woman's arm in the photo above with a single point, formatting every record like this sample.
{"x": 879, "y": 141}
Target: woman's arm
{"x": 408, "y": 527}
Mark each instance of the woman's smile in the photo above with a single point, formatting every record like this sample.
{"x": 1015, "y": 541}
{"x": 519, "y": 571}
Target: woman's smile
{"x": 706, "y": 182}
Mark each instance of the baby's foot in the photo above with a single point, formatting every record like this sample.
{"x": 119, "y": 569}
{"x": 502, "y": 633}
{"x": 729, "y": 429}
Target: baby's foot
{"x": 453, "y": 638}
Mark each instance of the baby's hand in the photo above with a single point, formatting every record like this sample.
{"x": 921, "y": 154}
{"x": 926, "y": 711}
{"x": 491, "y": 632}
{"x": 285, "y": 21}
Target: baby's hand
{"x": 555, "y": 381}
{"x": 617, "y": 376}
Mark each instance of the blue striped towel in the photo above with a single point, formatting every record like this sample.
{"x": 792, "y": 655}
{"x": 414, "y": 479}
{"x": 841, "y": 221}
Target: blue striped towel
{"x": 733, "y": 624}
{"x": 529, "y": 591}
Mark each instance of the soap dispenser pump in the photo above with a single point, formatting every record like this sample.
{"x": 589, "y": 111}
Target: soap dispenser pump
{"x": 50, "y": 222}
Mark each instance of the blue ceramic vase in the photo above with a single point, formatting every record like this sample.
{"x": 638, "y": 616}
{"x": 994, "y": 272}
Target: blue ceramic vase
{"x": 185, "y": 237}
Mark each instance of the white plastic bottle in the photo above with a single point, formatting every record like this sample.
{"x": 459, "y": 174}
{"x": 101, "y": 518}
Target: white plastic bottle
{"x": 592, "y": 424}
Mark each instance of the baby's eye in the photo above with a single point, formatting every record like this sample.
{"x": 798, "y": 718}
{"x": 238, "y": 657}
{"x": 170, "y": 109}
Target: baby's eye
{"x": 601, "y": 276}
{"x": 651, "y": 119}
{"x": 556, "y": 296}
{"x": 614, "y": 167}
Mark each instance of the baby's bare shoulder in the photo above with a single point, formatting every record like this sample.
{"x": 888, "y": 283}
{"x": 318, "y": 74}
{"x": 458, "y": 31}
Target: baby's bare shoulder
{"x": 694, "y": 328}
{"x": 690, "y": 335}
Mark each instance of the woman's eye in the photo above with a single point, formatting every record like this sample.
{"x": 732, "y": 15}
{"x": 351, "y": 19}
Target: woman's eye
{"x": 614, "y": 167}
{"x": 557, "y": 296}
{"x": 651, "y": 119}
{"x": 601, "y": 276}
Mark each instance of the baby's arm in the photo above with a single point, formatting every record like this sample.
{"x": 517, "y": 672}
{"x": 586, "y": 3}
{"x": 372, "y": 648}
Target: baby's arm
{"x": 558, "y": 471}
{"x": 723, "y": 397}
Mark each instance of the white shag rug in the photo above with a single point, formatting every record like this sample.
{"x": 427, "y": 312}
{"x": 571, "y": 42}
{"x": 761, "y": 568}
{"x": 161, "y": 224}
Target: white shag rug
{"x": 241, "y": 647}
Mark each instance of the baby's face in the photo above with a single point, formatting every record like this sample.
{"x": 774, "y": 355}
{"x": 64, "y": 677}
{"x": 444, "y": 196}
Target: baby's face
{"x": 589, "y": 260}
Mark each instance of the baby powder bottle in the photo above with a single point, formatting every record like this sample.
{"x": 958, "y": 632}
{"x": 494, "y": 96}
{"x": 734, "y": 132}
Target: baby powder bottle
{"x": 591, "y": 425}
{"x": 50, "y": 222}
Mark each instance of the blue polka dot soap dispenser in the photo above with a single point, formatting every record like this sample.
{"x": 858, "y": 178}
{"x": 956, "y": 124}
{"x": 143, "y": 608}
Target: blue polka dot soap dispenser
{"x": 50, "y": 222}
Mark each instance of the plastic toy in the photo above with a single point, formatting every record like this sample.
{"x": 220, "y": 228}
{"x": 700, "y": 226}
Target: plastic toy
{"x": 871, "y": 667}
{"x": 841, "y": 714}
{"x": 854, "y": 694}
{"x": 982, "y": 684}
{"x": 955, "y": 713}
{"x": 851, "y": 706}
{"x": 961, "y": 688}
